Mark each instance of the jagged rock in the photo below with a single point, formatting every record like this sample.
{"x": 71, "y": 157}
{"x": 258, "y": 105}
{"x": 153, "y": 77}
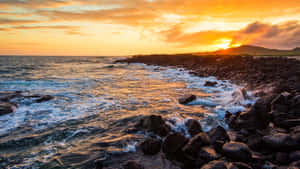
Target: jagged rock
{"x": 193, "y": 127}
{"x": 210, "y": 83}
{"x": 279, "y": 141}
{"x": 154, "y": 124}
{"x": 217, "y": 164}
{"x": 132, "y": 165}
{"x": 196, "y": 143}
{"x": 187, "y": 99}
{"x": 173, "y": 143}
{"x": 6, "y": 108}
{"x": 151, "y": 146}
{"x": 237, "y": 151}
{"x": 207, "y": 154}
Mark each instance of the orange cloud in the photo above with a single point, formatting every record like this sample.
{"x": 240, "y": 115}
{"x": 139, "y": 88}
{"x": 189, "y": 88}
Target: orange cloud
{"x": 4, "y": 21}
{"x": 283, "y": 35}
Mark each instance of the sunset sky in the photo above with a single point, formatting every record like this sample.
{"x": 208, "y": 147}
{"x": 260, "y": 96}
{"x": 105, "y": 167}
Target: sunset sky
{"x": 126, "y": 27}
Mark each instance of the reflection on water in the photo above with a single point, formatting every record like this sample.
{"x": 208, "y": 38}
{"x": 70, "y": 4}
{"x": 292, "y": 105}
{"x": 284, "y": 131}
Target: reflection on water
{"x": 95, "y": 107}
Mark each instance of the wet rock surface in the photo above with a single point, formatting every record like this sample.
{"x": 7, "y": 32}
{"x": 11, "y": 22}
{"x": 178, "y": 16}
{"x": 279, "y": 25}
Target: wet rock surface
{"x": 6, "y": 108}
{"x": 237, "y": 151}
{"x": 10, "y": 100}
{"x": 187, "y": 99}
{"x": 193, "y": 127}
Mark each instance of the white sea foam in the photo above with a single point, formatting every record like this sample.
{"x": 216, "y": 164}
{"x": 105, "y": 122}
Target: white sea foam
{"x": 223, "y": 97}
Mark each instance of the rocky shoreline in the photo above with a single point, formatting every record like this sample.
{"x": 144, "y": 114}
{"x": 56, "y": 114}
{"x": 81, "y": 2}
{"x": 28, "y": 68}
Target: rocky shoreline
{"x": 265, "y": 136}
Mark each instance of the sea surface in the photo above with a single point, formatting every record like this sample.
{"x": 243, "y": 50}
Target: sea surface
{"x": 96, "y": 105}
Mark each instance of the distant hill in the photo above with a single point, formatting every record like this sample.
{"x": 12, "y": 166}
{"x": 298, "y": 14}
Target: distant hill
{"x": 254, "y": 51}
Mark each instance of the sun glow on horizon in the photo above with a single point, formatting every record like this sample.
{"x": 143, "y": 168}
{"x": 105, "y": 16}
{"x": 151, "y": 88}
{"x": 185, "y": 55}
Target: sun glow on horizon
{"x": 225, "y": 44}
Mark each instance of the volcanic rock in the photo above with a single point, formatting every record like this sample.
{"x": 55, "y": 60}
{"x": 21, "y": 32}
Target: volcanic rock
{"x": 187, "y": 99}
{"x": 279, "y": 141}
{"x": 132, "y": 165}
{"x": 196, "y": 143}
{"x": 193, "y": 127}
{"x": 154, "y": 124}
{"x": 173, "y": 143}
{"x": 210, "y": 83}
{"x": 282, "y": 158}
{"x": 207, "y": 154}
{"x": 218, "y": 133}
{"x": 294, "y": 156}
{"x": 151, "y": 146}
{"x": 237, "y": 151}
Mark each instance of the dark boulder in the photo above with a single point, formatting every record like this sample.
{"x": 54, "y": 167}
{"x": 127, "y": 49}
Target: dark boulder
{"x": 279, "y": 141}
{"x": 210, "y": 83}
{"x": 173, "y": 143}
{"x": 280, "y": 100}
{"x": 217, "y": 164}
{"x": 218, "y": 133}
{"x": 98, "y": 164}
{"x": 187, "y": 99}
{"x": 6, "y": 108}
{"x": 282, "y": 158}
{"x": 237, "y": 151}
{"x": 258, "y": 117}
{"x": 44, "y": 98}
{"x": 132, "y": 165}
{"x": 285, "y": 122}
{"x": 294, "y": 156}
{"x": 207, "y": 154}
{"x": 196, "y": 143}
{"x": 151, "y": 146}
{"x": 255, "y": 142}
{"x": 155, "y": 124}
{"x": 193, "y": 127}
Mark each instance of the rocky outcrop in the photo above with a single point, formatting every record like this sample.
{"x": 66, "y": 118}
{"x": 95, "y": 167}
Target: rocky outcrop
{"x": 187, "y": 99}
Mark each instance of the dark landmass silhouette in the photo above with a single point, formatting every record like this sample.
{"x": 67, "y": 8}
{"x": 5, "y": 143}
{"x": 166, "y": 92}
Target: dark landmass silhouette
{"x": 254, "y": 51}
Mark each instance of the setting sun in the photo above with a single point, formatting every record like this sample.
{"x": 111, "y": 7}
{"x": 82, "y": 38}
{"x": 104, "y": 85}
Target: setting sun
{"x": 224, "y": 44}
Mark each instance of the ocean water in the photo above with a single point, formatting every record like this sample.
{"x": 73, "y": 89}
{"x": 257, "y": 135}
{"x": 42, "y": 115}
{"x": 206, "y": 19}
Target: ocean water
{"x": 96, "y": 106}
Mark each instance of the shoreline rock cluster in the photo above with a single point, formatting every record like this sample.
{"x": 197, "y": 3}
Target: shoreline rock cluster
{"x": 9, "y": 101}
{"x": 266, "y": 136}
{"x": 242, "y": 148}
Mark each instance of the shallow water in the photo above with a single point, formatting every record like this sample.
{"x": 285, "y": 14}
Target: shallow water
{"x": 96, "y": 105}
